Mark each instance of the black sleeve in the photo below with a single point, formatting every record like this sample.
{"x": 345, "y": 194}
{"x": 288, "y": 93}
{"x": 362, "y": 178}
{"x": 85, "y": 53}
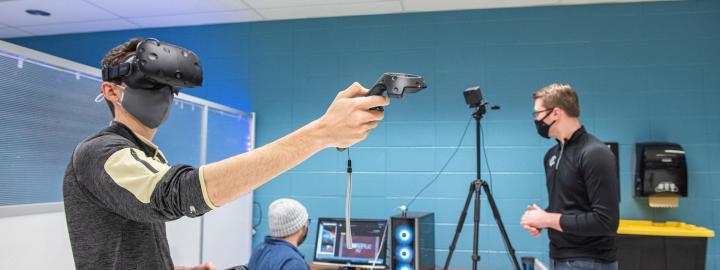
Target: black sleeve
{"x": 598, "y": 170}
{"x": 127, "y": 182}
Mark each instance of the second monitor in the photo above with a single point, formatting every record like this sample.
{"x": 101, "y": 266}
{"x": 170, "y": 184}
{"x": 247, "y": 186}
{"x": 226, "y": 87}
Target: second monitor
{"x": 368, "y": 248}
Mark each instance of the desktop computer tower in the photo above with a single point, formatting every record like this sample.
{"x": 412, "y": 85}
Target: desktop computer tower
{"x": 412, "y": 241}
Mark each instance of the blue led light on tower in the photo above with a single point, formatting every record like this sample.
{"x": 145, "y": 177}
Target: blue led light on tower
{"x": 412, "y": 241}
{"x": 404, "y": 267}
{"x": 404, "y": 235}
{"x": 404, "y": 254}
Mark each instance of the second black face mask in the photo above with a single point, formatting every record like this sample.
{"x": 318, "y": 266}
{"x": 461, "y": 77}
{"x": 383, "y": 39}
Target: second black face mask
{"x": 542, "y": 128}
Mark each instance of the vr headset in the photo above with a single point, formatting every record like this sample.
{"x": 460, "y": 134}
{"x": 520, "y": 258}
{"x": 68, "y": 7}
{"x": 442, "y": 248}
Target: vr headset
{"x": 156, "y": 65}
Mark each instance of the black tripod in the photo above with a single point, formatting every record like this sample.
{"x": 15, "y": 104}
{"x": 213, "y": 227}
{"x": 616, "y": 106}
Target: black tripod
{"x": 474, "y": 99}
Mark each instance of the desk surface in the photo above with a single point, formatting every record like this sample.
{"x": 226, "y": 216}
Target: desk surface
{"x": 327, "y": 267}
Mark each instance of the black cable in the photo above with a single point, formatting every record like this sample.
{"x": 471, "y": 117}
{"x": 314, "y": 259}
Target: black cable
{"x": 487, "y": 164}
{"x": 444, "y": 166}
{"x": 348, "y": 230}
{"x": 349, "y": 162}
{"x": 259, "y": 215}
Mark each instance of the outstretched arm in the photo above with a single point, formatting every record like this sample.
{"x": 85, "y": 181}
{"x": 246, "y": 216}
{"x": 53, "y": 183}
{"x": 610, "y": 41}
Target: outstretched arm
{"x": 347, "y": 121}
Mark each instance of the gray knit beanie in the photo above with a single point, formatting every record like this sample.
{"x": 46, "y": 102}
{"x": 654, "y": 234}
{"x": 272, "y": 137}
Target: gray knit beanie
{"x": 285, "y": 217}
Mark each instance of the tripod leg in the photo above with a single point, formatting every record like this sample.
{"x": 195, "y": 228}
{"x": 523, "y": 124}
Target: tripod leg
{"x": 459, "y": 226}
{"x": 476, "y": 225}
{"x": 498, "y": 220}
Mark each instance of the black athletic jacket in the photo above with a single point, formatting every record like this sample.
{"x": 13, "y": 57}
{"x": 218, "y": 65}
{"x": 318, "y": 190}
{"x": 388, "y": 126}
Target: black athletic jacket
{"x": 583, "y": 186}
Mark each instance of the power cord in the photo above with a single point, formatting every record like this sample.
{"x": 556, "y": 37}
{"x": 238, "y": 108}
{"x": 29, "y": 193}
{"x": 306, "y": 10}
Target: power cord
{"x": 382, "y": 242}
{"x": 259, "y": 207}
{"x": 260, "y": 213}
{"x": 487, "y": 164}
{"x": 443, "y": 167}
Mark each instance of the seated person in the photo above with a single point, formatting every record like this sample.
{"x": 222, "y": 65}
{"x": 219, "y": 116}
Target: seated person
{"x": 288, "y": 220}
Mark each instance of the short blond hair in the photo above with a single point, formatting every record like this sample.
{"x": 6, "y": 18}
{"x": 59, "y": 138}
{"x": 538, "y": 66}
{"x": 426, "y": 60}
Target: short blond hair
{"x": 559, "y": 95}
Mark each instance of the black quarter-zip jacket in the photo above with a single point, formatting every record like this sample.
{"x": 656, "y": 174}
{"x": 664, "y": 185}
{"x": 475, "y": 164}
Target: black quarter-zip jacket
{"x": 583, "y": 186}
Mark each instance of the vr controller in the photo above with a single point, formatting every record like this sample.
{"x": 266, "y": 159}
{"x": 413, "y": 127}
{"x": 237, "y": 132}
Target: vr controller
{"x": 158, "y": 64}
{"x": 395, "y": 84}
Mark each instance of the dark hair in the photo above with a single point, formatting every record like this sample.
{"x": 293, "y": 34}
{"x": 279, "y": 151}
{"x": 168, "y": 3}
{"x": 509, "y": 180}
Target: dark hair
{"x": 117, "y": 56}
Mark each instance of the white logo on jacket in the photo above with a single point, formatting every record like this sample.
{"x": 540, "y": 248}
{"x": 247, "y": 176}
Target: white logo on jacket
{"x": 552, "y": 161}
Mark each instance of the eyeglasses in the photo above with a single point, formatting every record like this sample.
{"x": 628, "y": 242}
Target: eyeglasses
{"x": 536, "y": 113}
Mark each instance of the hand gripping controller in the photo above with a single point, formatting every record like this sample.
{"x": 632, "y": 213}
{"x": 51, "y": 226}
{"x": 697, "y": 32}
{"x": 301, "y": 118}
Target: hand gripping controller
{"x": 395, "y": 84}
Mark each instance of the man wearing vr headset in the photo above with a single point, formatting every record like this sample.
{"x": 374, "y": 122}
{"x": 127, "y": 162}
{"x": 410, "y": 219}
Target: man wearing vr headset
{"x": 119, "y": 189}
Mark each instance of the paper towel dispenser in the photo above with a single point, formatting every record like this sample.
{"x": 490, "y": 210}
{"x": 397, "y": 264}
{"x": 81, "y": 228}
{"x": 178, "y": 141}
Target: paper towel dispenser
{"x": 660, "y": 168}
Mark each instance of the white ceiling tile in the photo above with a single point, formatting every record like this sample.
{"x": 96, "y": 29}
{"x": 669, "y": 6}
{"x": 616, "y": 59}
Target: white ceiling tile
{"x": 197, "y": 19}
{"x": 78, "y": 27}
{"x": 13, "y": 12}
{"x": 318, "y": 11}
{"x": 72, "y": 16}
{"x": 580, "y": 2}
{"x": 258, "y": 4}
{"x": 7, "y": 32}
{"x": 577, "y": 1}
{"x": 434, "y": 5}
{"x": 145, "y": 8}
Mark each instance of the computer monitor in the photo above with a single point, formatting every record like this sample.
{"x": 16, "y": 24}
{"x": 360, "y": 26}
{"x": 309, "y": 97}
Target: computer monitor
{"x": 330, "y": 247}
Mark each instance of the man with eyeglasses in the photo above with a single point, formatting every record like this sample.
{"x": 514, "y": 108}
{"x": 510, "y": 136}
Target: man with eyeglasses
{"x": 583, "y": 211}
{"x": 288, "y": 221}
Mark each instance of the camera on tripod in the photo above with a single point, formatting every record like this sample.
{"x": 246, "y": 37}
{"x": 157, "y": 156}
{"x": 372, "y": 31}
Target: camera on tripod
{"x": 473, "y": 97}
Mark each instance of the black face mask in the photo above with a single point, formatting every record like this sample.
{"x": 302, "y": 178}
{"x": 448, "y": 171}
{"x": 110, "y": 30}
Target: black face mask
{"x": 302, "y": 238}
{"x": 542, "y": 128}
{"x": 150, "y": 106}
